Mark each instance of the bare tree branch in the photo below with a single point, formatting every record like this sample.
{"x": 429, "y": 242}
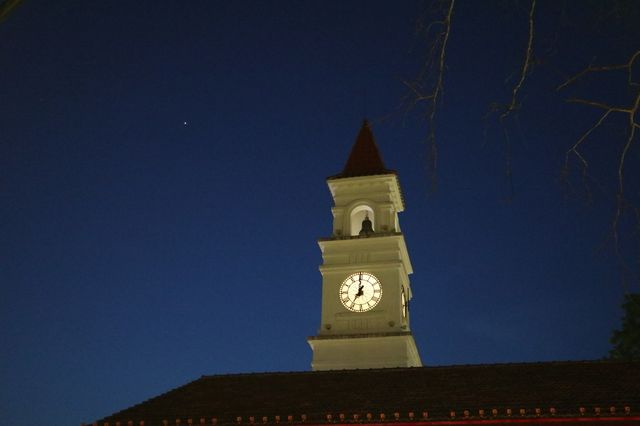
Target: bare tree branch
{"x": 592, "y": 69}
{"x": 431, "y": 139}
{"x": 632, "y": 112}
{"x": 600, "y": 105}
{"x": 7, "y": 7}
{"x": 429, "y": 84}
{"x": 525, "y": 66}
{"x": 574, "y": 148}
{"x": 427, "y": 90}
{"x": 505, "y": 110}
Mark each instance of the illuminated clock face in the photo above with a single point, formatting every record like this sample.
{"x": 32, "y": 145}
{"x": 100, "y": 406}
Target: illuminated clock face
{"x": 360, "y": 292}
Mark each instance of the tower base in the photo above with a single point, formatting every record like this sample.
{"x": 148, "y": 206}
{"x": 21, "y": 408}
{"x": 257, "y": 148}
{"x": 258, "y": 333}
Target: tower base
{"x": 347, "y": 352}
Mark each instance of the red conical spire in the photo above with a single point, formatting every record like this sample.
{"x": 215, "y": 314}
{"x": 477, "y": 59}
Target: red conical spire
{"x": 365, "y": 158}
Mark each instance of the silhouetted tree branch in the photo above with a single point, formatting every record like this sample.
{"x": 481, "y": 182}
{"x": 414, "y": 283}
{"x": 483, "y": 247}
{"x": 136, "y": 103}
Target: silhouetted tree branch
{"x": 631, "y": 112}
{"x": 427, "y": 90}
{"x": 514, "y": 105}
{"x": 7, "y": 7}
{"x": 424, "y": 91}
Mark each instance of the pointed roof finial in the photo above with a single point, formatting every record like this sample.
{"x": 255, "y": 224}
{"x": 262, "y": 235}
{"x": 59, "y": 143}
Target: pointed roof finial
{"x": 365, "y": 158}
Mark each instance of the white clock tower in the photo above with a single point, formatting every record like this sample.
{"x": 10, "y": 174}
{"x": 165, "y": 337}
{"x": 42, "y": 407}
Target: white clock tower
{"x": 365, "y": 269}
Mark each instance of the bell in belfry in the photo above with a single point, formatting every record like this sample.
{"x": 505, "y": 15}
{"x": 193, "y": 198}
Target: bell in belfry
{"x": 367, "y": 227}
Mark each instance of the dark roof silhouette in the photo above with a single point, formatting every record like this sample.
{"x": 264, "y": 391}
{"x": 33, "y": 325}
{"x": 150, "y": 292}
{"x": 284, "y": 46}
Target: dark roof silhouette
{"x": 558, "y": 389}
{"x": 365, "y": 158}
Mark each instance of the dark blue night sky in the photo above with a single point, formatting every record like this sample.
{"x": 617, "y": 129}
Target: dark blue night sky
{"x": 162, "y": 188}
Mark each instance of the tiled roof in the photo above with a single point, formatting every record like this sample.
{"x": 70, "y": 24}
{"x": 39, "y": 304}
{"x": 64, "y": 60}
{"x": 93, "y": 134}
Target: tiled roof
{"x": 556, "y": 389}
{"x": 365, "y": 158}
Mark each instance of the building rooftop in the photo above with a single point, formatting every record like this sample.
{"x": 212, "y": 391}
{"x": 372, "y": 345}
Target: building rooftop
{"x": 547, "y": 389}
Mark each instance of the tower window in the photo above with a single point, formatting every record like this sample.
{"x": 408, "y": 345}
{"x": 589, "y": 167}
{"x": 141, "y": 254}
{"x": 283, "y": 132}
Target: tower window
{"x": 358, "y": 214}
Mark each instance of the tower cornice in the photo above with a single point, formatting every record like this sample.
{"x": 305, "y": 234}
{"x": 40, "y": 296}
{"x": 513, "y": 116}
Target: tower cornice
{"x": 357, "y": 183}
{"x": 370, "y": 245}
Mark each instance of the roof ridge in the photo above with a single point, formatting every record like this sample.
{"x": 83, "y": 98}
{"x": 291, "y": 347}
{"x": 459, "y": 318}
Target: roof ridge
{"x": 430, "y": 367}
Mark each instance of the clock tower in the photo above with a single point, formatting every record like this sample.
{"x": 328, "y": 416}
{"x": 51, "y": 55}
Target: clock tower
{"x": 365, "y": 269}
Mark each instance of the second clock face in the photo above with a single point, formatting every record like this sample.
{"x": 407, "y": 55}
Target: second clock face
{"x": 360, "y": 292}
{"x": 403, "y": 301}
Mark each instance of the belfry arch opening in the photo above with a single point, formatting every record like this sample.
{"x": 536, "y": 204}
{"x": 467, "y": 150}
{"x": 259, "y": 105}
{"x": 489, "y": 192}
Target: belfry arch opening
{"x": 357, "y": 216}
